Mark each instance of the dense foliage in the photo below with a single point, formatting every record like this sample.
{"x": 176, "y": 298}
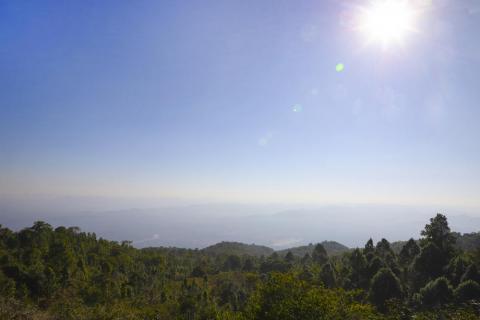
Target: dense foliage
{"x": 64, "y": 273}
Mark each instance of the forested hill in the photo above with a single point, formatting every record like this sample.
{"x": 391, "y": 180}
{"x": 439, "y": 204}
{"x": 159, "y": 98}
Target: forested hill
{"x": 237, "y": 248}
{"x": 333, "y": 248}
{"x": 63, "y": 273}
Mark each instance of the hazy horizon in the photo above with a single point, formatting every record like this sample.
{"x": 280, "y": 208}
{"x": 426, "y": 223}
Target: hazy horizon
{"x": 198, "y": 225}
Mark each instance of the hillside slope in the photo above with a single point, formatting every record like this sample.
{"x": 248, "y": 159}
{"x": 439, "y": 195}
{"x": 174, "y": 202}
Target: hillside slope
{"x": 237, "y": 248}
{"x": 333, "y": 248}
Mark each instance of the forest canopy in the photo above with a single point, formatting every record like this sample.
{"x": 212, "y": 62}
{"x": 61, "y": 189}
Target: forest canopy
{"x": 64, "y": 273}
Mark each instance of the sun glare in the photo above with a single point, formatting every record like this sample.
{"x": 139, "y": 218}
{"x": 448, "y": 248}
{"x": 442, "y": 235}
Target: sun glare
{"x": 387, "y": 21}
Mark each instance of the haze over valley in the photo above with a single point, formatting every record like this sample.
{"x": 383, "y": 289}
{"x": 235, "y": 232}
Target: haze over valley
{"x": 197, "y": 226}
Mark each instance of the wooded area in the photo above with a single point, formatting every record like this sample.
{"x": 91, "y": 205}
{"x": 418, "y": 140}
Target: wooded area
{"x": 64, "y": 273}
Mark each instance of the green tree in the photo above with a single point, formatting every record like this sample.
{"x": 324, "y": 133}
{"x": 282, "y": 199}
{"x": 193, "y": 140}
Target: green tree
{"x": 248, "y": 265}
{"x": 383, "y": 248}
{"x": 369, "y": 248}
{"x": 198, "y": 272}
{"x": 272, "y": 265}
{"x": 374, "y": 265}
{"x": 456, "y": 269}
{"x": 7, "y": 286}
{"x": 306, "y": 258}
{"x": 319, "y": 254}
{"x": 467, "y": 290}
{"x": 430, "y": 262}
{"x": 436, "y": 293}
{"x": 385, "y": 286}
{"x": 305, "y": 275}
{"x": 438, "y": 232}
{"x": 233, "y": 262}
{"x": 357, "y": 275}
{"x": 470, "y": 274}
{"x": 409, "y": 251}
{"x": 289, "y": 257}
{"x": 327, "y": 275}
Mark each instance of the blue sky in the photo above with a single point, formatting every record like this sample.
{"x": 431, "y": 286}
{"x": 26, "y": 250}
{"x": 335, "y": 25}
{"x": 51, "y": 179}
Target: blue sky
{"x": 238, "y": 101}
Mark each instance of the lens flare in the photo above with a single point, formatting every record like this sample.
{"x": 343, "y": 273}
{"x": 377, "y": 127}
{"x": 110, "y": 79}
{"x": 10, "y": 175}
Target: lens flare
{"x": 297, "y": 108}
{"x": 387, "y": 21}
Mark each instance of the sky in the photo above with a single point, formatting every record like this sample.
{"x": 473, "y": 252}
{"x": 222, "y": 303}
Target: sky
{"x": 238, "y": 101}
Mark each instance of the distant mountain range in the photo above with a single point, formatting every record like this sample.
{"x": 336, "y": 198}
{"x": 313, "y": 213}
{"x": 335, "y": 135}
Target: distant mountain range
{"x": 200, "y": 226}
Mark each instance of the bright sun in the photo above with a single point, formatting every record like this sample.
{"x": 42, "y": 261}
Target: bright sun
{"x": 387, "y": 21}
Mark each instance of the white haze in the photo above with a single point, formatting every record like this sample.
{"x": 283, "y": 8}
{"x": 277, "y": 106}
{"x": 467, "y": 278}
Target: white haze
{"x": 172, "y": 222}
